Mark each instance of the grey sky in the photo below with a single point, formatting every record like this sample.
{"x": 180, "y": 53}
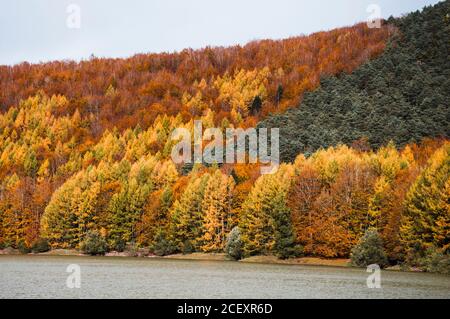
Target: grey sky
{"x": 36, "y": 30}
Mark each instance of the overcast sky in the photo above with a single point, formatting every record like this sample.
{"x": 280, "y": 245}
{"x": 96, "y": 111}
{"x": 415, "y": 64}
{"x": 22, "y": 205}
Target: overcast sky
{"x": 43, "y": 30}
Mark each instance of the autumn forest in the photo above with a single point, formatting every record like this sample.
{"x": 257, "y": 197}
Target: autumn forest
{"x": 85, "y": 148}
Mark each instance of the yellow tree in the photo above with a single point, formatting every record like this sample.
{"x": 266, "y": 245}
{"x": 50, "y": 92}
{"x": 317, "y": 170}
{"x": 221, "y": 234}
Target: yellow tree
{"x": 427, "y": 212}
{"x": 241, "y": 90}
{"x": 217, "y": 211}
{"x": 266, "y": 220}
{"x": 187, "y": 215}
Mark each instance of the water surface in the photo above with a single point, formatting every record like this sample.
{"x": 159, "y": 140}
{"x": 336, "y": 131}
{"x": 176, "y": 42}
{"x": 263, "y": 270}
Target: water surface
{"x": 110, "y": 277}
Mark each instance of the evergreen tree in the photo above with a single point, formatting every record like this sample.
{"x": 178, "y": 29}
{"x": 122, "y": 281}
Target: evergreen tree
{"x": 266, "y": 224}
{"x": 256, "y": 105}
{"x": 402, "y": 95}
{"x": 427, "y": 214}
{"x": 126, "y": 208}
{"x": 369, "y": 250}
{"x": 233, "y": 247}
{"x": 94, "y": 244}
{"x": 187, "y": 216}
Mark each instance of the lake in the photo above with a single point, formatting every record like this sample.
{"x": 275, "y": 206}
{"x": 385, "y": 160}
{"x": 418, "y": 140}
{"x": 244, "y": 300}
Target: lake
{"x": 117, "y": 277}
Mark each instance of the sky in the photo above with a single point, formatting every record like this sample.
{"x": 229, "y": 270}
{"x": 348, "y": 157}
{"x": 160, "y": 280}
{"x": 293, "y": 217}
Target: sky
{"x": 44, "y": 30}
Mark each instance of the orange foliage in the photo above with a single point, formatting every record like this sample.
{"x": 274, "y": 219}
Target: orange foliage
{"x": 124, "y": 92}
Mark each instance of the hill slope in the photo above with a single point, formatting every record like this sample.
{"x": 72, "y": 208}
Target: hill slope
{"x": 403, "y": 95}
{"x": 60, "y": 118}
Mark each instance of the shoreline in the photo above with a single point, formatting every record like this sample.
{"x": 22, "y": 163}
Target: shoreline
{"x": 268, "y": 260}
{"x": 304, "y": 261}
{"x": 300, "y": 261}
{"x": 311, "y": 261}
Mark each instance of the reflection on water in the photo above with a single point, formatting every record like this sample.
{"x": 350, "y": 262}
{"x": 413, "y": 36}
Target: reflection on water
{"x": 108, "y": 277}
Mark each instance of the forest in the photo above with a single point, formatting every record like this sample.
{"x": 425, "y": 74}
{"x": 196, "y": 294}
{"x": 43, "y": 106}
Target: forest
{"x": 400, "y": 96}
{"x": 85, "y": 148}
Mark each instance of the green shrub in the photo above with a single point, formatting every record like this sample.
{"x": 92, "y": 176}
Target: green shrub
{"x": 285, "y": 246}
{"x": 290, "y": 252}
{"x": 118, "y": 245}
{"x": 162, "y": 245}
{"x": 369, "y": 250}
{"x": 40, "y": 246}
{"x": 434, "y": 260}
{"x": 132, "y": 249}
{"x": 233, "y": 247}
{"x": 187, "y": 247}
{"x": 94, "y": 244}
{"x": 7, "y": 244}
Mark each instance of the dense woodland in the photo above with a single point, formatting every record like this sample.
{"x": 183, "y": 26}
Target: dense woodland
{"x": 400, "y": 96}
{"x": 85, "y": 147}
{"x": 125, "y": 92}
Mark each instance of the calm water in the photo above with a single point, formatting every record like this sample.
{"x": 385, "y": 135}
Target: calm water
{"x": 45, "y": 277}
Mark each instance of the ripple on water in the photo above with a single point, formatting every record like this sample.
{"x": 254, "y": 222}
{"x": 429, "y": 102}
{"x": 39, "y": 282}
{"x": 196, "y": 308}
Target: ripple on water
{"x": 108, "y": 277}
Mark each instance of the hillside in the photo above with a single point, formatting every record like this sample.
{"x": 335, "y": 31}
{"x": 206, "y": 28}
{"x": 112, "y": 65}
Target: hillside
{"x": 85, "y": 149}
{"x": 402, "y": 96}
{"x": 125, "y": 92}
{"x": 61, "y": 117}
